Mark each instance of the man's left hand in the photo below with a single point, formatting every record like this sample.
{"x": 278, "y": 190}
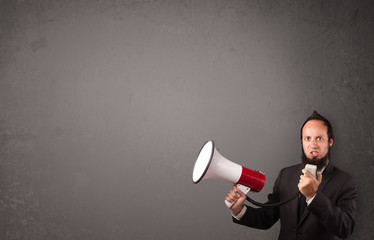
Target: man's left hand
{"x": 308, "y": 185}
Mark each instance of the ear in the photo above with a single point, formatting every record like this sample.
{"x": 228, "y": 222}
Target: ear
{"x": 331, "y": 142}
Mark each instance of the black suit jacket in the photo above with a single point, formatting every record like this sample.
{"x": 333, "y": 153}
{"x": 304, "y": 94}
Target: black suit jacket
{"x": 330, "y": 214}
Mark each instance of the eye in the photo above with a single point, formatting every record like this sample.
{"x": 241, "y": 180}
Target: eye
{"x": 307, "y": 138}
{"x": 319, "y": 138}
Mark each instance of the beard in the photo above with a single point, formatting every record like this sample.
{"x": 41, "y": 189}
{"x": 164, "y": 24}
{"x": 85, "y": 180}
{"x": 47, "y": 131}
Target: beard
{"x": 321, "y": 163}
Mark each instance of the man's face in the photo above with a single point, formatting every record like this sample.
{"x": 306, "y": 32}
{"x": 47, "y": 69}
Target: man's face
{"x": 315, "y": 140}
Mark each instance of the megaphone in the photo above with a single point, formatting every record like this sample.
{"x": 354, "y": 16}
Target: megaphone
{"x": 211, "y": 164}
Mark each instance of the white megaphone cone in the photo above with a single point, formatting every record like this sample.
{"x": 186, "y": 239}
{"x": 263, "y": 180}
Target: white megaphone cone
{"x": 211, "y": 164}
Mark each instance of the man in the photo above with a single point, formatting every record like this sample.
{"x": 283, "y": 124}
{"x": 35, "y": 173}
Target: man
{"x": 327, "y": 205}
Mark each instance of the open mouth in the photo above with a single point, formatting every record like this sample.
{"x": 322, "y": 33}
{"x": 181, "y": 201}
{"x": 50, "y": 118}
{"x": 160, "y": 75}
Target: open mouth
{"x": 314, "y": 153}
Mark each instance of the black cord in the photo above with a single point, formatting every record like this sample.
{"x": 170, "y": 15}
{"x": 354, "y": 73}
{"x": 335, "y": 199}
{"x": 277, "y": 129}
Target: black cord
{"x": 272, "y": 204}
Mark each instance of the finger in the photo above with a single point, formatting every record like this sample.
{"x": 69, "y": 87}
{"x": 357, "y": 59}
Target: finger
{"x": 233, "y": 194}
{"x": 307, "y": 173}
{"x": 303, "y": 178}
{"x": 238, "y": 191}
{"x": 230, "y": 200}
{"x": 299, "y": 186}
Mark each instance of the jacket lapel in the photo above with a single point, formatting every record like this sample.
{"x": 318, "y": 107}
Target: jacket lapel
{"x": 325, "y": 177}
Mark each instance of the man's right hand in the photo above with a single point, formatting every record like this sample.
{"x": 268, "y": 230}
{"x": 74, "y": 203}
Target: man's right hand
{"x": 232, "y": 196}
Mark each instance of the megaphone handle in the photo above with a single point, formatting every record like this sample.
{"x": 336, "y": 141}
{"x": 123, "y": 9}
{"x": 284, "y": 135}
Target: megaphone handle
{"x": 243, "y": 188}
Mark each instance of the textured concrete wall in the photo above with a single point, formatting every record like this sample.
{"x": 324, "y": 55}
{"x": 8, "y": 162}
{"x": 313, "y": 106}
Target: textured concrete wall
{"x": 105, "y": 104}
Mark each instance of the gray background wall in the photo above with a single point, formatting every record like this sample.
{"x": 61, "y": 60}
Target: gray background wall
{"x": 105, "y": 104}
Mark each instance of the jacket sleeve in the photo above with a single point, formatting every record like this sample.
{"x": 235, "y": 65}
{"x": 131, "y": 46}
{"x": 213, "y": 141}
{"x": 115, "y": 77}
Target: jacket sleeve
{"x": 338, "y": 217}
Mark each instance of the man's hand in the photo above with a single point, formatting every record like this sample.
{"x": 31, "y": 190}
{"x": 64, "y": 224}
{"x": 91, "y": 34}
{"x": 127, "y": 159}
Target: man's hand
{"x": 232, "y": 196}
{"x": 308, "y": 185}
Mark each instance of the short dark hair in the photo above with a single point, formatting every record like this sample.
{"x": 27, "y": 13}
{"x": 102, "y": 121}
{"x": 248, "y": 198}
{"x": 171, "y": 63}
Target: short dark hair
{"x": 316, "y": 116}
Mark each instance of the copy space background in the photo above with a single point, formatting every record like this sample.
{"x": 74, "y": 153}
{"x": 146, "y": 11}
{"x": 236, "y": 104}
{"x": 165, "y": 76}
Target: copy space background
{"x": 104, "y": 106}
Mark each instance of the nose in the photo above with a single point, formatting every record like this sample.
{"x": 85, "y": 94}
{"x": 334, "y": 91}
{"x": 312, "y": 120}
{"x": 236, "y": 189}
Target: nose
{"x": 314, "y": 142}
